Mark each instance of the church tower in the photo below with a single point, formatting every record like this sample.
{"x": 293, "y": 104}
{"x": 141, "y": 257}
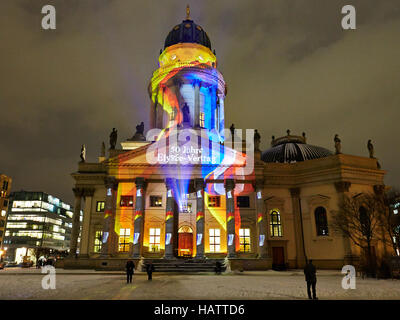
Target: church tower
{"x": 187, "y": 90}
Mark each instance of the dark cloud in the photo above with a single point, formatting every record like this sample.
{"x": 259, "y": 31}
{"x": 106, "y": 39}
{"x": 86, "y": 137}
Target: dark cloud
{"x": 288, "y": 64}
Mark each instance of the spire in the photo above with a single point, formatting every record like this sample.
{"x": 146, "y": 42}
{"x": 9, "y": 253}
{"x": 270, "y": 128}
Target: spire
{"x": 187, "y": 12}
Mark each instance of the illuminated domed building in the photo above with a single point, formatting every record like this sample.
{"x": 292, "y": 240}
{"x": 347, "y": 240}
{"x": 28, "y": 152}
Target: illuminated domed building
{"x": 192, "y": 190}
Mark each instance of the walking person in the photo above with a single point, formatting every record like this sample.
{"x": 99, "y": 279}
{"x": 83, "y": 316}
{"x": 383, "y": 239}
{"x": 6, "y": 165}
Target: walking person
{"x": 311, "y": 279}
{"x": 218, "y": 267}
{"x": 149, "y": 270}
{"x": 130, "y": 269}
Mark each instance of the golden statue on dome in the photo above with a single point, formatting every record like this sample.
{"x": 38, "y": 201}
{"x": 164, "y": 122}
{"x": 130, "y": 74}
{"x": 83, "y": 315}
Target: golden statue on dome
{"x": 187, "y": 12}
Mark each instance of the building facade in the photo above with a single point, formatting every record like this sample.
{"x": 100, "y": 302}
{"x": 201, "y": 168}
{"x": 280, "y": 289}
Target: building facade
{"x": 36, "y": 220}
{"x": 192, "y": 189}
{"x": 5, "y": 185}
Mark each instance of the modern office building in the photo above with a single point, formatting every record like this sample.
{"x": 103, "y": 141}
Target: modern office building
{"x": 5, "y": 189}
{"x": 36, "y": 220}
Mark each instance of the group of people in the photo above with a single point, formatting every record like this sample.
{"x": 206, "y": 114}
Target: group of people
{"x": 41, "y": 262}
{"x": 310, "y": 272}
{"x": 130, "y": 270}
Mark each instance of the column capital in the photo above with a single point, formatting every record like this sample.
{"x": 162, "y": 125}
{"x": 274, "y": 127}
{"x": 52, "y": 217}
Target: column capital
{"x": 258, "y": 184}
{"x": 78, "y": 192}
{"x": 342, "y": 186}
{"x": 140, "y": 182}
{"x": 229, "y": 184}
{"x": 295, "y": 192}
{"x": 111, "y": 182}
{"x": 88, "y": 192}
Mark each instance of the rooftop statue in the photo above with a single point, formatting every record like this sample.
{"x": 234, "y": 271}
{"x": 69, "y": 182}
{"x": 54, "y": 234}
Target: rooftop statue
{"x": 139, "y": 134}
{"x": 113, "y": 138}
{"x": 338, "y": 145}
{"x": 370, "y": 147}
{"x": 257, "y": 140}
{"x": 232, "y": 128}
{"x": 140, "y": 128}
{"x": 103, "y": 150}
{"x": 83, "y": 153}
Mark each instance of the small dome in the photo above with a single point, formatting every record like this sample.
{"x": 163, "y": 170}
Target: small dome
{"x": 187, "y": 31}
{"x": 290, "y": 149}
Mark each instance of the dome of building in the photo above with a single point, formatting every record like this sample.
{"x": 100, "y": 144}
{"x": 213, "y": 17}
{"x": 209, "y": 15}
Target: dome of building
{"x": 187, "y": 32}
{"x": 290, "y": 149}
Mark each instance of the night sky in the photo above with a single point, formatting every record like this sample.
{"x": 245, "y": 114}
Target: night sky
{"x": 287, "y": 64}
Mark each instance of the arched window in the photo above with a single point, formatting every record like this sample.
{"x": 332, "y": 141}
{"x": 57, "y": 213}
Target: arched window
{"x": 321, "y": 221}
{"x": 275, "y": 223}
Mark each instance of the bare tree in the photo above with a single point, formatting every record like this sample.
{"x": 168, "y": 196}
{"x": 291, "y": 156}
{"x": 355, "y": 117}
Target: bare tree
{"x": 359, "y": 218}
{"x": 390, "y": 220}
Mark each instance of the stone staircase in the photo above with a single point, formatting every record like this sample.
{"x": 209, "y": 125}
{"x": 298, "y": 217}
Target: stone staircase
{"x": 183, "y": 265}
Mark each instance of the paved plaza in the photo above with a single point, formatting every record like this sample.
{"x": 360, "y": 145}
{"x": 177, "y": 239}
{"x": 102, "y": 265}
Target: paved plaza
{"x": 87, "y": 284}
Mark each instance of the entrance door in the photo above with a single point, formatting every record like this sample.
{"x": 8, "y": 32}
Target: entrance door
{"x": 185, "y": 242}
{"x": 278, "y": 258}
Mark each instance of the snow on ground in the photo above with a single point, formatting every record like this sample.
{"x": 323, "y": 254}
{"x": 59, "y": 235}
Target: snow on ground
{"x": 18, "y": 283}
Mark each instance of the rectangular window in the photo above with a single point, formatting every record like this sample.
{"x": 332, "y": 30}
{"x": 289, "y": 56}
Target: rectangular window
{"x": 5, "y": 185}
{"x": 98, "y": 240}
{"x": 172, "y": 116}
{"x": 154, "y": 243}
{"x": 5, "y": 203}
{"x": 124, "y": 240}
{"x": 214, "y": 201}
{"x": 126, "y": 201}
{"x": 244, "y": 237}
{"x": 215, "y": 240}
{"x": 243, "y": 202}
{"x": 202, "y": 120}
{"x": 155, "y": 201}
{"x": 100, "y": 206}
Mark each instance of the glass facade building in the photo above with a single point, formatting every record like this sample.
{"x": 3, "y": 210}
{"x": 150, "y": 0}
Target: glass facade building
{"x": 36, "y": 220}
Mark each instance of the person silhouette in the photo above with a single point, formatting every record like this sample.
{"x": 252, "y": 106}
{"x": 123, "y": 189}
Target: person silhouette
{"x": 311, "y": 279}
{"x": 130, "y": 267}
{"x": 149, "y": 270}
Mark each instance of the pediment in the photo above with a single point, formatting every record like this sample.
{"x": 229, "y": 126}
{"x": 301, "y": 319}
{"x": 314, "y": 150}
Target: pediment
{"x": 318, "y": 199}
{"x": 274, "y": 202}
{"x": 130, "y": 157}
{"x": 154, "y": 219}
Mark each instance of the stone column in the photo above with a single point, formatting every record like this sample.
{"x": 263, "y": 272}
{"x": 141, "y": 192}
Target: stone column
{"x": 138, "y": 217}
{"x": 298, "y": 227}
{"x": 221, "y": 113}
{"x": 73, "y": 246}
{"x": 110, "y": 238}
{"x": 199, "y": 187}
{"x": 262, "y": 249}
{"x": 169, "y": 221}
{"x": 196, "y": 120}
{"x": 341, "y": 188}
{"x": 230, "y": 218}
{"x": 87, "y": 212}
